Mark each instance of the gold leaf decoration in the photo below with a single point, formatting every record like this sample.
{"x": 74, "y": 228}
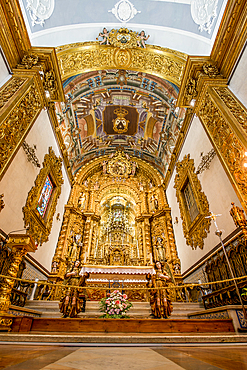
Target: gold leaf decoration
{"x": 90, "y": 56}
{"x": 225, "y": 140}
{"x": 39, "y": 228}
{"x": 194, "y": 231}
{"x": 14, "y": 128}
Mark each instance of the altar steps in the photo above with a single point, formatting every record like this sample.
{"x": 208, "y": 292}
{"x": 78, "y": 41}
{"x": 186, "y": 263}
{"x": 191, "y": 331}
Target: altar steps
{"x": 50, "y": 309}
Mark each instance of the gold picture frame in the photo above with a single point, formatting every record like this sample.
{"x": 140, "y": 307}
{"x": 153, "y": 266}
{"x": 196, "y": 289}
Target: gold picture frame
{"x": 196, "y": 230}
{"x": 37, "y": 226}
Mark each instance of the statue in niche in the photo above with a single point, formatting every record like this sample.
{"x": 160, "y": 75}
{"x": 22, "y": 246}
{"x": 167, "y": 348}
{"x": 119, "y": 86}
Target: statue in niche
{"x": 238, "y": 216}
{"x": 73, "y": 300}
{"x": 177, "y": 269}
{"x": 96, "y": 186}
{"x": 74, "y": 248}
{"x": 160, "y": 252}
{"x": 133, "y": 168}
{"x": 54, "y": 267}
{"x": 105, "y": 36}
{"x": 82, "y": 201}
{"x": 104, "y": 165}
{"x": 141, "y": 39}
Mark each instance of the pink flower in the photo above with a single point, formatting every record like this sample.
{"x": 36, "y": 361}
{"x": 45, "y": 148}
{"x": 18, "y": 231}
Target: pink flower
{"x": 117, "y": 302}
{"x": 125, "y": 296}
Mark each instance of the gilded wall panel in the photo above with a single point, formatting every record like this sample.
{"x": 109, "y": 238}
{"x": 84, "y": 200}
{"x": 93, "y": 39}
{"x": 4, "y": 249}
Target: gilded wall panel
{"x": 229, "y": 147}
{"x": 16, "y": 125}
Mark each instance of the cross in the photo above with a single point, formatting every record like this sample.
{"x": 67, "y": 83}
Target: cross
{"x": 213, "y": 217}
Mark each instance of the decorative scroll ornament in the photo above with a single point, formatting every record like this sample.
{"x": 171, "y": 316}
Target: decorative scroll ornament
{"x": 49, "y": 81}
{"x": 205, "y": 161}
{"x": 120, "y": 124}
{"x": 124, "y": 11}
{"x": 211, "y": 70}
{"x": 204, "y": 13}
{"x": 40, "y": 10}
{"x": 30, "y": 60}
{"x": 198, "y": 229}
{"x": 31, "y": 155}
{"x": 38, "y": 227}
{"x": 191, "y": 90}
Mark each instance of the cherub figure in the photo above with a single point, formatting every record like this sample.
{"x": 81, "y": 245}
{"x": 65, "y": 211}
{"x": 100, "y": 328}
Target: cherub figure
{"x": 105, "y": 35}
{"x": 141, "y": 39}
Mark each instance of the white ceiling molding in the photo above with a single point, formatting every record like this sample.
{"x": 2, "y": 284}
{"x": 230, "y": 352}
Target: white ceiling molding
{"x": 40, "y": 10}
{"x": 204, "y": 13}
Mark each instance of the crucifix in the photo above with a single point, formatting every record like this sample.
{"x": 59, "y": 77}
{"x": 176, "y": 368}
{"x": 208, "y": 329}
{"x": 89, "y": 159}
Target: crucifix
{"x": 219, "y": 233}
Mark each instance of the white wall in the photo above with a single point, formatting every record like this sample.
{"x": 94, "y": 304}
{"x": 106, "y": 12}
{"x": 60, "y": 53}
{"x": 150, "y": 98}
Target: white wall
{"x": 217, "y": 188}
{"x": 18, "y": 181}
{"x": 238, "y": 83}
{"x": 4, "y": 73}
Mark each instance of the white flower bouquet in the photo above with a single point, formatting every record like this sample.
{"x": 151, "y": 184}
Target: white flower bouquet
{"x": 115, "y": 305}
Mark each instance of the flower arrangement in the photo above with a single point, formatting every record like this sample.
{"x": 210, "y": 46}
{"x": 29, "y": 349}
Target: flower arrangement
{"x": 115, "y": 305}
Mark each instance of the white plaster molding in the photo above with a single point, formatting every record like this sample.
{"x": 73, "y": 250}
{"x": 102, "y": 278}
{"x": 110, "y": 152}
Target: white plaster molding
{"x": 124, "y": 11}
{"x": 204, "y": 13}
{"x": 40, "y": 10}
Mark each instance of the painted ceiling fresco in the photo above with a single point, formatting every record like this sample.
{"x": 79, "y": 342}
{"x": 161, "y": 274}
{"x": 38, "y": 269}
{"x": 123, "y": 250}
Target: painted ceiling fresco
{"x": 113, "y": 109}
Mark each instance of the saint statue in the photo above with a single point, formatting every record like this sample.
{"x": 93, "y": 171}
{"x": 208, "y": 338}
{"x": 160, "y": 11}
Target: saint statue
{"x": 160, "y": 252}
{"x": 73, "y": 299}
{"x": 161, "y": 305}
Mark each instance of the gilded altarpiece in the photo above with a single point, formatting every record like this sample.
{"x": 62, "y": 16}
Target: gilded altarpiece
{"x": 110, "y": 224}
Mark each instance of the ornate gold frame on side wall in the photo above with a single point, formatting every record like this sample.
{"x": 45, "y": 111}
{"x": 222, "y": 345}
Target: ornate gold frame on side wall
{"x": 198, "y": 229}
{"x": 38, "y": 226}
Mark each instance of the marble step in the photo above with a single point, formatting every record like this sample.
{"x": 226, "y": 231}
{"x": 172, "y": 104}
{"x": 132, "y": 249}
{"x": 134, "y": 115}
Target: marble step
{"x": 139, "y": 309}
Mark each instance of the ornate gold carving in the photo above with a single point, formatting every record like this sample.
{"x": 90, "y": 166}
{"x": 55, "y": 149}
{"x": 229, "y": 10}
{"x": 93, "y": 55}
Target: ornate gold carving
{"x": 191, "y": 90}
{"x": 119, "y": 165}
{"x": 49, "y": 81}
{"x": 39, "y": 227}
{"x": 123, "y": 38}
{"x": 239, "y": 218}
{"x": 83, "y": 57}
{"x": 227, "y": 143}
{"x": 2, "y": 205}
{"x": 20, "y": 244}
{"x": 194, "y": 231}
{"x": 211, "y": 70}
{"x": 10, "y": 89}
{"x": 238, "y": 111}
{"x": 16, "y": 125}
{"x": 30, "y": 60}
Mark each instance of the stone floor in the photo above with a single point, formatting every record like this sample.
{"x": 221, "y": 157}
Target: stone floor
{"x": 51, "y": 357}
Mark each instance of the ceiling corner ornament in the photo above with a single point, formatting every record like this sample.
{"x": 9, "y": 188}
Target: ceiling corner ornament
{"x": 29, "y": 60}
{"x": 40, "y": 10}
{"x": 196, "y": 231}
{"x": 124, "y": 11}
{"x": 211, "y": 70}
{"x": 40, "y": 227}
{"x": 204, "y": 13}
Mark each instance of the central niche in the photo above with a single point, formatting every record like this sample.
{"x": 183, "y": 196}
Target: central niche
{"x": 118, "y": 244}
